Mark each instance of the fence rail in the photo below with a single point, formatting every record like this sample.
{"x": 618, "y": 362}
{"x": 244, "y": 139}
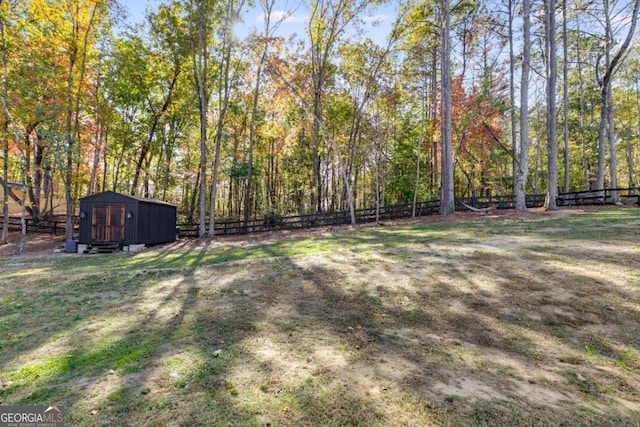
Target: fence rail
{"x": 39, "y": 226}
{"x": 296, "y": 222}
{"x": 386, "y": 213}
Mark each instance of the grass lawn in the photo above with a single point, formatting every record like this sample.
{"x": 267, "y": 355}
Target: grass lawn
{"x": 496, "y": 323}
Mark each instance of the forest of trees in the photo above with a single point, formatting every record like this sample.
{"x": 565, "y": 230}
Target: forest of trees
{"x": 463, "y": 98}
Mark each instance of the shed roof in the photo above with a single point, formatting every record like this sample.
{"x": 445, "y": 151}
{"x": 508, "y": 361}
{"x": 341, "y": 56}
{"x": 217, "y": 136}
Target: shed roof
{"x": 128, "y": 196}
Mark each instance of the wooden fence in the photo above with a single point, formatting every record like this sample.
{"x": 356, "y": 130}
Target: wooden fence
{"x": 386, "y": 213}
{"x": 43, "y": 226}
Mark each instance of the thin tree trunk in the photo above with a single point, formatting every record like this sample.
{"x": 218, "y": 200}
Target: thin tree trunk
{"x": 5, "y": 138}
{"x": 73, "y": 112}
{"x": 447, "y": 197}
{"x": 583, "y": 138}
{"x": 523, "y": 172}
{"x": 194, "y": 197}
{"x": 512, "y": 97}
{"x": 105, "y": 160}
{"x": 611, "y": 136}
{"x": 96, "y": 159}
{"x": 419, "y": 149}
{"x": 14, "y": 129}
{"x": 417, "y": 185}
{"x": 267, "y": 7}
{"x": 219, "y": 130}
{"x": 630, "y": 146}
{"x": 605, "y": 83}
{"x": 5, "y": 184}
{"x": 68, "y": 173}
{"x": 332, "y": 142}
{"x": 565, "y": 98}
{"x": 200, "y": 71}
{"x": 377, "y": 160}
{"x": 252, "y": 130}
{"x": 146, "y": 147}
{"x": 83, "y": 67}
{"x": 435, "y": 175}
{"x": 630, "y": 163}
{"x": 552, "y": 109}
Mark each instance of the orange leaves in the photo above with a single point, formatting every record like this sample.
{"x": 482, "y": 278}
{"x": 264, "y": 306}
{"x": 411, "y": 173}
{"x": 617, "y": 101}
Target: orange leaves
{"x": 477, "y": 123}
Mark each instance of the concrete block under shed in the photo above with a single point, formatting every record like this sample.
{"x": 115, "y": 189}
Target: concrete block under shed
{"x": 134, "y": 248}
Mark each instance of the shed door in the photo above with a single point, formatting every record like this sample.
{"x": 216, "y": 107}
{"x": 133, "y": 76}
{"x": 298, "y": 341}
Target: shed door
{"x": 108, "y": 223}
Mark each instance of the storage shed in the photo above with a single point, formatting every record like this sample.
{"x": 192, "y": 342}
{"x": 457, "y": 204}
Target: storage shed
{"x": 109, "y": 219}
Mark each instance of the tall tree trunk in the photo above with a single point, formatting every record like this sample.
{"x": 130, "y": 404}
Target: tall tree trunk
{"x": 611, "y": 136}
{"x": 220, "y": 127}
{"x": 435, "y": 169}
{"x": 377, "y": 169}
{"x": 421, "y": 139}
{"x": 605, "y": 83}
{"x": 200, "y": 70}
{"x": 76, "y": 120}
{"x": 72, "y": 128}
{"x": 14, "y": 129}
{"x": 583, "y": 138}
{"x": 523, "y": 172}
{"x": 447, "y": 197}
{"x": 328, "y": 22}
{"x": 552, "y": 109}
{"x": 70, "y": 143}
{"x": 565, "y": 98}
{"x": 252, "y": 130}
{"x": 267, "y": 6}
{"x": 5, "y": 133}
{"x": 316, "y": 188}
{"x": 512, "y": 97}
{"x": 98, "y": 137}
{"x": 630, "y": 146}
{"x": 96, "y": 159}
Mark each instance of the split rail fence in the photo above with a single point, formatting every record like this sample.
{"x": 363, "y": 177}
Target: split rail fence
{"x": 385, "y": 213}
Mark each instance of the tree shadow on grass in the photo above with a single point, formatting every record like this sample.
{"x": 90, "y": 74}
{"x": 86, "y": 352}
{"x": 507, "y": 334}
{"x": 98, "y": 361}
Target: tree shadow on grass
{"x": 319, "y": 341}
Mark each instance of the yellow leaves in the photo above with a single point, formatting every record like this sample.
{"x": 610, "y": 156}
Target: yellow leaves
{"x": 64, "y": 24}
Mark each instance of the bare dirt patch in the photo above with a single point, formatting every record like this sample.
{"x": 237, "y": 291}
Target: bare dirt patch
{"x": 36, "y": 244}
